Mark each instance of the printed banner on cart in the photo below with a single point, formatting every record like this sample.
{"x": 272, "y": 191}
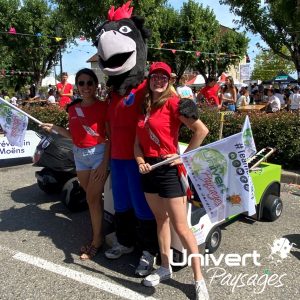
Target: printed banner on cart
{"x": 220, "y": 175}
{"x": 29, "y": 144}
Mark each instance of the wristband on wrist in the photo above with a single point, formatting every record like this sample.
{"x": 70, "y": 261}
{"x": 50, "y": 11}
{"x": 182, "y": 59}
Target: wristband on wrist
{"x": 141, "y": 163}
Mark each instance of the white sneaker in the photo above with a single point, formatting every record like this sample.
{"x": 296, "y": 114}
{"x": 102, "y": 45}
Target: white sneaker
{"x": 146, "y": 263}
{"x": 158, "y": 276}
{"x": 117, "y": 251}
{"x": 201, "y": 290}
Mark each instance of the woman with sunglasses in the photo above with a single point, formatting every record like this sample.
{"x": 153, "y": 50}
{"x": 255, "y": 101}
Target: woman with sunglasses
{"x": 87, "y": 116}
{"x": 156, "y": 140}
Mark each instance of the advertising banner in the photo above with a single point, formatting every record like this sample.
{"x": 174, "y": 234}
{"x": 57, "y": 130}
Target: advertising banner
{"x": 245, "y": 72}
{"x": 220, "y": 175}
{"x": 29, "y": 144}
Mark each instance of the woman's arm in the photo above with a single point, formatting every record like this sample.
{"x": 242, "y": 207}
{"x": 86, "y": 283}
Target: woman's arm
{"x": 199, "y": 129}
{"x": 139, "y": 157}
{"x": 60, "y": 130}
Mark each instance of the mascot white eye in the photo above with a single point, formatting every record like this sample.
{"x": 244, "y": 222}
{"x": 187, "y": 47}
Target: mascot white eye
{"x": 125, "y": 29}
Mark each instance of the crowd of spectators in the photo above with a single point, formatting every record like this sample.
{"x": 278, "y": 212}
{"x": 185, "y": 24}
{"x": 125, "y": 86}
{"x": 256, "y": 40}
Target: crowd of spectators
{"x": 46, "y": 96}
{"x": 226, "y": 96}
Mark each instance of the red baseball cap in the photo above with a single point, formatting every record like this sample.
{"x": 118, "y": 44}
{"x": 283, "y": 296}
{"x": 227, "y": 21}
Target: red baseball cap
{"x": 160, "y": 66}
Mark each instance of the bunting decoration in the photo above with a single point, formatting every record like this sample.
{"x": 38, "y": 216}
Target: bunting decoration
{"x": 12, "y": 31}
{"x": 217, "y": 56}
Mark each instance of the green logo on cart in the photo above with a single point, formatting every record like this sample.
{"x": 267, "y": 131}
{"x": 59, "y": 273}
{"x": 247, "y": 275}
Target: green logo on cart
{"x": 211, "y": 157}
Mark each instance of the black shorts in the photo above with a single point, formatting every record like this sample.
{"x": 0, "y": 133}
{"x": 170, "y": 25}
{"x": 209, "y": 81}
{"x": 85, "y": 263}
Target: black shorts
{"x": 163, "y": 180}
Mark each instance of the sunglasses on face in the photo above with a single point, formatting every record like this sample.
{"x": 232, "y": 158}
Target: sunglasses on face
{"x": 88, "y": 83}
{"x": 156, "y": 77}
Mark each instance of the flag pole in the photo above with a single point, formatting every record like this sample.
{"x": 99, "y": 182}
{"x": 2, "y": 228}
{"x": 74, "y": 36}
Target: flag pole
{"x": 164, "y": 162}
{"x": 21, "y": 111}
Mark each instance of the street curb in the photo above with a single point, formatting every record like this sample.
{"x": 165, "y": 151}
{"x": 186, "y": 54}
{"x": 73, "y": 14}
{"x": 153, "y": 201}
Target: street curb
{"x": 290, "y": 177}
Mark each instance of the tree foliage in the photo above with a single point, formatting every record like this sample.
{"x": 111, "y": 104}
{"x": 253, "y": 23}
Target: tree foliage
{"x": 198, "y": 42}
{"x": 35, "y": 46}
{"x": 277, "y": 22}
{"x": 85, "y": 15}
{"x": 267, "y": 65}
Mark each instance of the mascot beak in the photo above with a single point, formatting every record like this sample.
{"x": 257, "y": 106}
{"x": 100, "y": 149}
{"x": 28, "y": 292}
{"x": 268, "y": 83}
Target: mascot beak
{"x": 117, "y": 53}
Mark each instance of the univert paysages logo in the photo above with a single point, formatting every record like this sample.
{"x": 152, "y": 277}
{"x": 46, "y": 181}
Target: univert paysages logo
{"x": 258, "y": 281}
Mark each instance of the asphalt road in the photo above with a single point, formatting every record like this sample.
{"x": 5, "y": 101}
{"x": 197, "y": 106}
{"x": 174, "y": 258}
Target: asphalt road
{"x": 39, "y": 242}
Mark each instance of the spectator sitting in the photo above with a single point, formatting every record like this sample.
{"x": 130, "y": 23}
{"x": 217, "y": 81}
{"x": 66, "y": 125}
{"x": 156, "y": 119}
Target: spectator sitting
{"x": 273, "y": 101}
{"x": 279, "y": 96}
{"x": 243, "y": 99}
{"x": 51, "y": 97}
{"x": 256, "y": 97}
{"x": 294, "y": 99}
{"x": 184, "y": 91}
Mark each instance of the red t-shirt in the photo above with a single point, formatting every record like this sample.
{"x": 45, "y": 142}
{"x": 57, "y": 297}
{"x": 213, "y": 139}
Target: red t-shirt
{"x": 158, "y": 135}
{"x": 211, "y": 93}
{"x": 122, "y": 116}
{"x": 94, "y": 118}
{"x": 64, "y": 100}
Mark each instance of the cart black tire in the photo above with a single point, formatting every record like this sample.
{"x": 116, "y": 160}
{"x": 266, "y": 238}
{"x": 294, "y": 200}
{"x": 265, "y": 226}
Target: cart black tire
{"x": 49, "y": 184}
{"x": 272, "y": 209}
{"x": 49, "y": 189}
{"x": 73, "y": 196}
{"x": 213, "y": 240}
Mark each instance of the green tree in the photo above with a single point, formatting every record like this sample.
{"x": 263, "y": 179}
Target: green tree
{"x": 197, "y": 41}
{"x": 41, "y": 33}
{"x": 193, "y": 29}
{"x": 267, "y": 65}
{"x": 277, "y": 22}
{"x": 85, "y": 15}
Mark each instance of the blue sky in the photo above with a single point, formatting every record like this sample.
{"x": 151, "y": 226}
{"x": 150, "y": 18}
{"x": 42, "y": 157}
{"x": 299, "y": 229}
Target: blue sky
{"x": 76, "y": 56}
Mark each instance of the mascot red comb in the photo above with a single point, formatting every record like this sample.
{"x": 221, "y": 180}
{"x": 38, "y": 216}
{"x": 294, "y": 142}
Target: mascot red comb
{"x": 122, "y": 51}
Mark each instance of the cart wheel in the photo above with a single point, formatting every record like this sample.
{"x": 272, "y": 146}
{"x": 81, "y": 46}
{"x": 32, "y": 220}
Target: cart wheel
{"x": 213, "y": 240}
{"x": 47, "y": 181}
{"x": 272, "y": 208}
{"x": 73, "y": 196}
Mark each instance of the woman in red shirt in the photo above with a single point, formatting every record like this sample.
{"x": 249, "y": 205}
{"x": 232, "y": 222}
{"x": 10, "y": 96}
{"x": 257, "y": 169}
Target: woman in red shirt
{"x": 87, "y": 117}
{"x": 157, "y": 139}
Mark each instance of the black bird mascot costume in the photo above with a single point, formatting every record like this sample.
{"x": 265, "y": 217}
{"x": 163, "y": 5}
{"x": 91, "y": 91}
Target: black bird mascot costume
{"x": 122, "y": 52}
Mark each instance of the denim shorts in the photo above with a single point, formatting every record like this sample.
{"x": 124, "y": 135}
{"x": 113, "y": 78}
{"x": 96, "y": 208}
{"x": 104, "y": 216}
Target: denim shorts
{"x": 88, "y": 158}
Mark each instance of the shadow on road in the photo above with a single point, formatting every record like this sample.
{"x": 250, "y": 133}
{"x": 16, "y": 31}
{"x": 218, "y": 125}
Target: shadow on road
{"x": 67, "y": 231}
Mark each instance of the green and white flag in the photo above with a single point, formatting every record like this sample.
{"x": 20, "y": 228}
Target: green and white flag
{"x": 248, "y": 139}
{"x": 220, "y": 175}
{"x": 13, "y": 123}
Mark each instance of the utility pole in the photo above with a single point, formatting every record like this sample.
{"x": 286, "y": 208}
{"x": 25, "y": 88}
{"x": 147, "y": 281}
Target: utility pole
{"x": 60, "y": 60}
{"x": 58, "y": 33}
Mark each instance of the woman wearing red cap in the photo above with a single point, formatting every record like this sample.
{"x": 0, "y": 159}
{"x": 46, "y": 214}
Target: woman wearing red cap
{"x": 157, "y": 139}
